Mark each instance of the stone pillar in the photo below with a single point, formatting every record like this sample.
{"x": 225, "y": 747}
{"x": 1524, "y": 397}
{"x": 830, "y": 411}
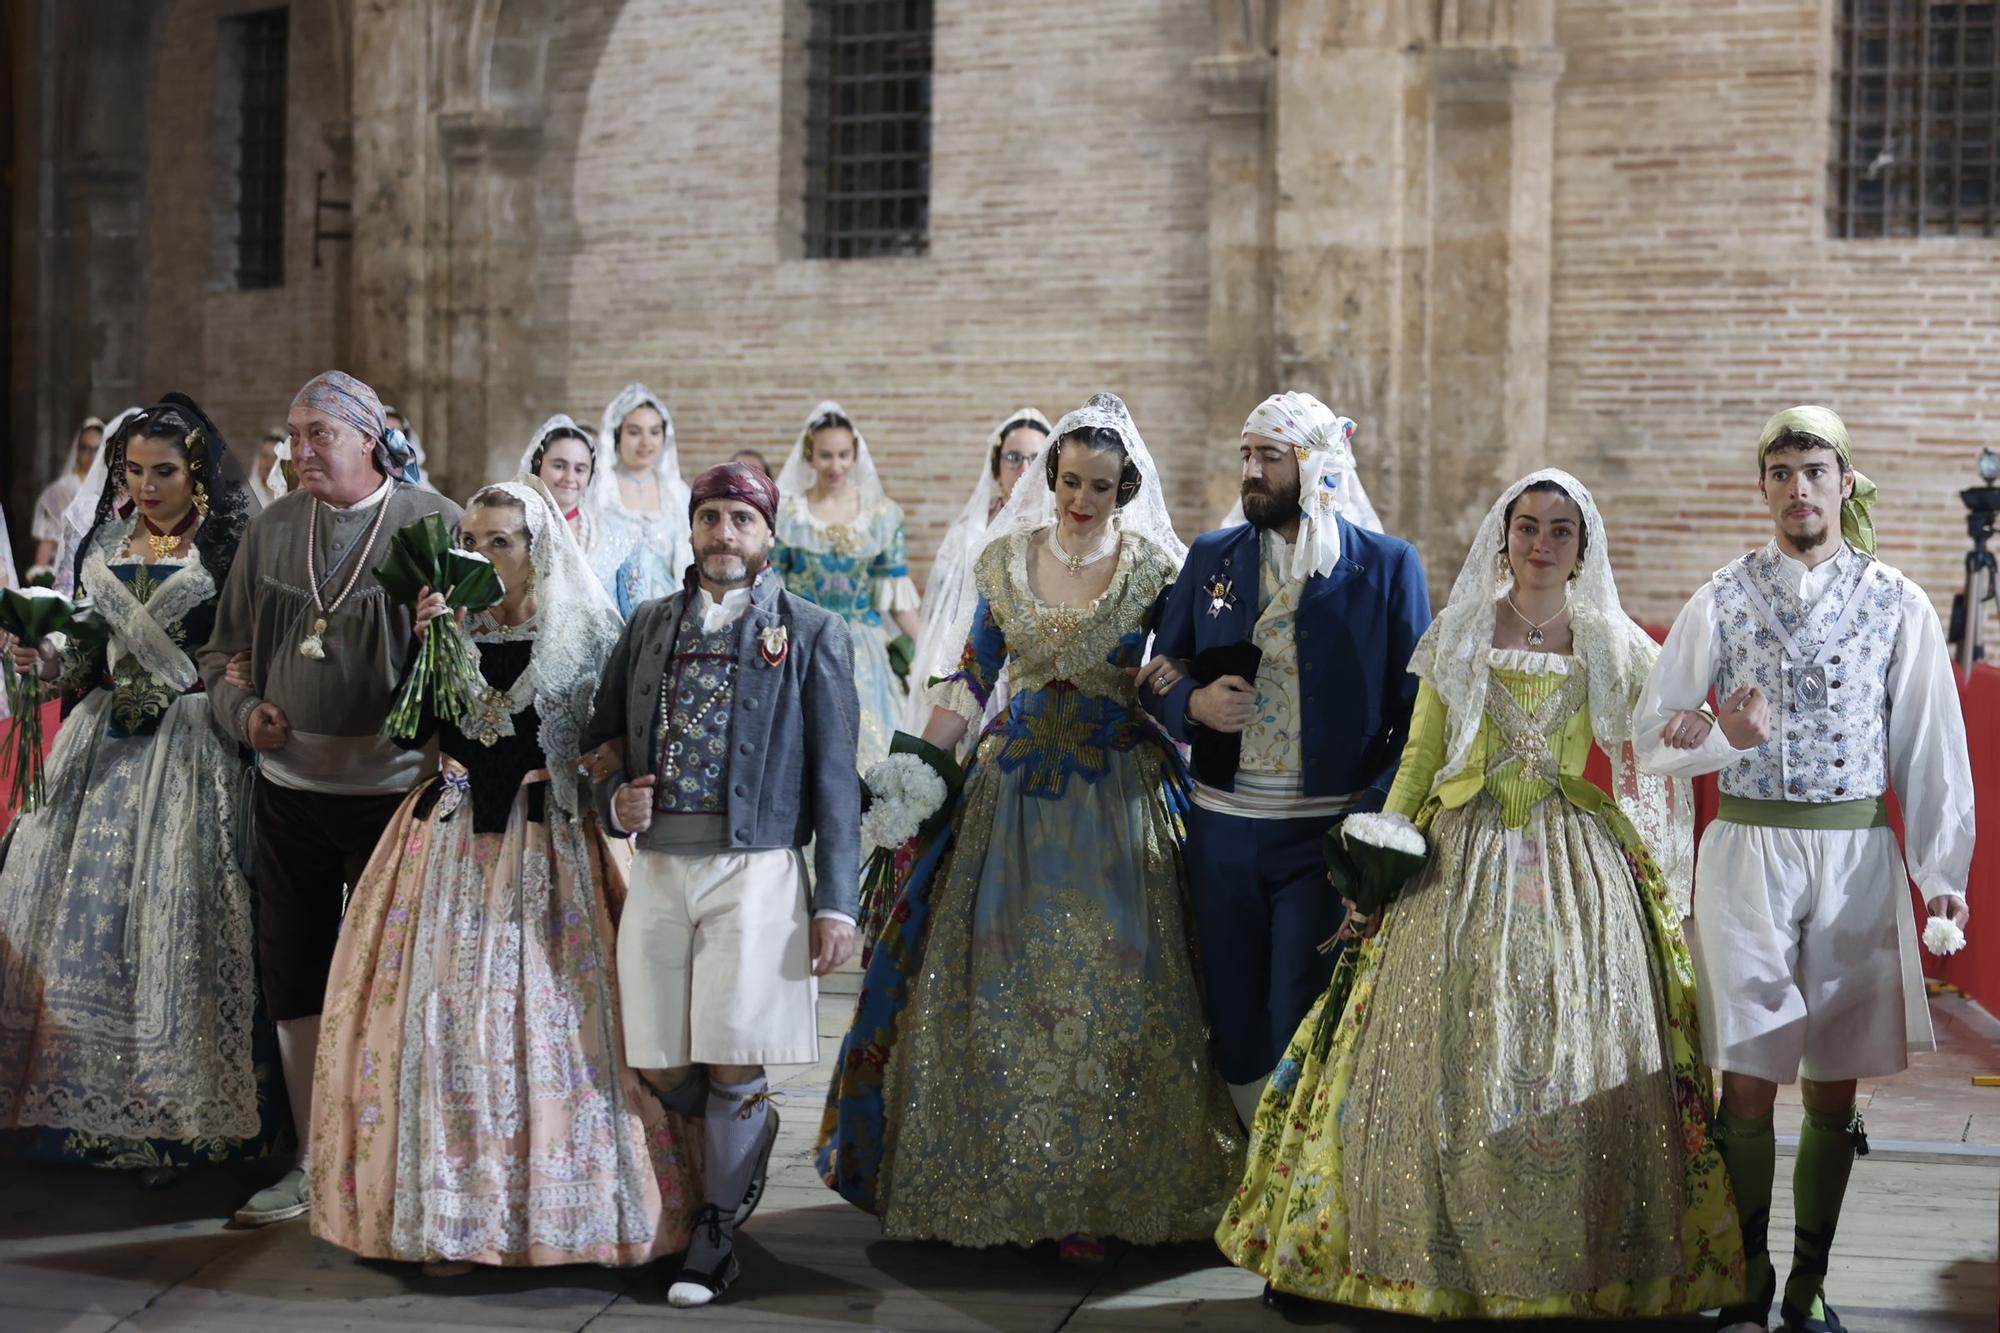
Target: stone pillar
{"x": 1411, "y": 266}
{"x": 394, "y": 157}
{"x": 480, "y": 388}
{"x": 1493, "y": 148}
{"x": 1240, "y": 200}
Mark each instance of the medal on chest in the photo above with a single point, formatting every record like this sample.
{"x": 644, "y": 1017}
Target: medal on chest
{"x": 773, "y": 644}
{"x": 1805, "y": 686}
{"x": 1219, "y": 596}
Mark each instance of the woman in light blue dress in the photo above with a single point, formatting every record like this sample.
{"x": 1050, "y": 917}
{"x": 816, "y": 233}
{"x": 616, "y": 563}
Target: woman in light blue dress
{"x": 639, "y": 546}
{"x": 840, "y": 546}
{"x": 129, "y": 1026}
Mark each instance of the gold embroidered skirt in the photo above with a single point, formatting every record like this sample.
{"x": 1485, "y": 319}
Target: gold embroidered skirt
{"x": 1054, "y": 1074}
{"x": 1509, "y": 1118}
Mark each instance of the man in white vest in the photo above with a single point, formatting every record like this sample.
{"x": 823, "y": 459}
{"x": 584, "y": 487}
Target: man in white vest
{"x": 1834, "y": 684}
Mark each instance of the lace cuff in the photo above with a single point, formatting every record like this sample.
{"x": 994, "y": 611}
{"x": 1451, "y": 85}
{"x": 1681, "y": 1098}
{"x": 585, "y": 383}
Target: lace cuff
{"x": 897, "y": 594}
{"x": 962, "y": 696}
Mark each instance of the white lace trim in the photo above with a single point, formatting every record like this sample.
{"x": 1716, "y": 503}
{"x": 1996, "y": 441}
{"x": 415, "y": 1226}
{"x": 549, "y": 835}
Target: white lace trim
{"x": 140, "y": 630}
{"x": 1456, "y": 656}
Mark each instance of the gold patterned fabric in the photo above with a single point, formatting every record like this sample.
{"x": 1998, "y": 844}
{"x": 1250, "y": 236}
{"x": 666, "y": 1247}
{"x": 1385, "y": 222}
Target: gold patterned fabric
{"x": 1271, "y": 740}
{"x": 1509, "y": 1120}
{"x": 1052, "y": 1074}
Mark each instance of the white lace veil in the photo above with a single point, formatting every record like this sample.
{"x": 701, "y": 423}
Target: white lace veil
{"x": 1033, "y": 504}
{"x": 666, "y": 468}
{"x": 1615, "y": 652}
{"x": 796, "y": 477}
{"x": 950, "y": 597}
{"x": 81, "y": 515}
{"x": 576, "y": 626}
{"x": 599, "y": 463}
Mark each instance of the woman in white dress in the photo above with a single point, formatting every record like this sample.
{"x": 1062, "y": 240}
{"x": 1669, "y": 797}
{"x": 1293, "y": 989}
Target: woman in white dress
{"x": 640, "y": 511}
{"x": 1008, "y": 451}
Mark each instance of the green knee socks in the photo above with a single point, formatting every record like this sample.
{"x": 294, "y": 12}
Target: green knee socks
{"x": 1749, "y": 1148}
{"x": 1827, "y": 1144}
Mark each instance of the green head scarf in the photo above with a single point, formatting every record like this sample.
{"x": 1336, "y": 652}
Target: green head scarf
{"x": 1824, "y": 424}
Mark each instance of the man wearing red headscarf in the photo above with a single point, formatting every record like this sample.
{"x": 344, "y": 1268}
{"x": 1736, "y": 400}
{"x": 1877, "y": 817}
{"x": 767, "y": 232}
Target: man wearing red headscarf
{"x": 730, "y": 706}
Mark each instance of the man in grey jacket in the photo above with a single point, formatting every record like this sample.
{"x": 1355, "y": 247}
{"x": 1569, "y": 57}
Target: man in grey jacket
{"x": 730, "y": 710}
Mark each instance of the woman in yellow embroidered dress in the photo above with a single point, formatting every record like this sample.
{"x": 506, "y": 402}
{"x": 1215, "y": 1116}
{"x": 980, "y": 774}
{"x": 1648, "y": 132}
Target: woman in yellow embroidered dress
{"x": 1028, "y": 1059}
{"x": 1508, "y": 1117}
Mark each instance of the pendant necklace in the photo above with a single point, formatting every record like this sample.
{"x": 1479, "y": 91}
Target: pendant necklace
{"x": 165, "y": 543}
{"x": 313, "y": 645}
{"x": 1535, "y": 636}
{"x": 1075, "y": 564}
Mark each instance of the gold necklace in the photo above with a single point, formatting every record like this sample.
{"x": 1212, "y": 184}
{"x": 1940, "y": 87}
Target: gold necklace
{"x": 1535, "y": 636}
{"x": 163, "y": 542}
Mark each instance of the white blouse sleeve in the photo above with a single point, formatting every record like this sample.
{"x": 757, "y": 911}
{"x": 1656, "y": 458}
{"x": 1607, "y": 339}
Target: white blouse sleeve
{"x": 1682, "y": 678}
{"x": 1928, "y": 758}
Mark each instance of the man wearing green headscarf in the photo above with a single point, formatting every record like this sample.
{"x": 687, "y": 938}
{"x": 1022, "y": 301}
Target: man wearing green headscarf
{"x": 1834, "y": 683}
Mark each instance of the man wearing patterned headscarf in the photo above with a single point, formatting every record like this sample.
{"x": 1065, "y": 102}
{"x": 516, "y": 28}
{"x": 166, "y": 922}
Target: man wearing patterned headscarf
{"x": 730, "y": 706}
{"x": 1834, "y": 681}
{"x": 1296, "y": 604}
{"x": 323, "y": 649}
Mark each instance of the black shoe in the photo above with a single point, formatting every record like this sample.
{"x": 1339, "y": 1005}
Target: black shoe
{"x": 1290, "y": 1306}
{"x": 754, "y": 1195}
{"x": 692, "y": 1287}
{"x": 1755, "y": 1311}
{"x": 714, "y": 1239}
{"x": 1800, "y": 1321}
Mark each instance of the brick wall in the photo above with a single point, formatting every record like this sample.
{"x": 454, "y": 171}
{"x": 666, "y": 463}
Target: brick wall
{"x": 1068, "y": 239}
{"x": 241, "y": 354}
{"x": 1696, "y": 292}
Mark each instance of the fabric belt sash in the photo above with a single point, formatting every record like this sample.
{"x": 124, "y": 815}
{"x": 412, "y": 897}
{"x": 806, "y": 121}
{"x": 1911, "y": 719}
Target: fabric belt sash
{"x": 1871, "y": 812}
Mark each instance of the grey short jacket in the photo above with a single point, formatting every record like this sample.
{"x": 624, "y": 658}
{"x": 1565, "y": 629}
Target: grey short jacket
{"x": 792, "y": 732}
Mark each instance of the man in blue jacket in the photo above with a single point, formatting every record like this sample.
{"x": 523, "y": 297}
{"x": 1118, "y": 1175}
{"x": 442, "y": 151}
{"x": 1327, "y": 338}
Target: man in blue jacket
{"x": 1287, "y": 642}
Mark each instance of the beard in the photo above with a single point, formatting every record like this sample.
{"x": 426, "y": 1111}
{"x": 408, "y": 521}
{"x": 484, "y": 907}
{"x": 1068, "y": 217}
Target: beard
{"x": 730, "y": 569}
{"x": 1813, "y": 538}
{"x": 1266, "y": 508}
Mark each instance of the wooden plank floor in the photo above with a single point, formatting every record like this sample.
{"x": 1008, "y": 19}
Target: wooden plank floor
{"x": 85, "y": 1252}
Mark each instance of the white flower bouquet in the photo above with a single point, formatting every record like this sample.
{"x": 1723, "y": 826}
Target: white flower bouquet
{"x": 905, "y": 800}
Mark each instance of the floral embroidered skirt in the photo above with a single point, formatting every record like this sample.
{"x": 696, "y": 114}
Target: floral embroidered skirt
{"x": 1028, "y": 1058}
{"x": 129, "y": 1029}
{"x": 1510, "y": 1119}
{"x": 471, "y": 1098}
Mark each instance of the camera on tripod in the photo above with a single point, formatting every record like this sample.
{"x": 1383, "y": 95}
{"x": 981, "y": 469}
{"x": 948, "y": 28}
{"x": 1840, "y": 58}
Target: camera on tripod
{"x": 1982, "y": 507}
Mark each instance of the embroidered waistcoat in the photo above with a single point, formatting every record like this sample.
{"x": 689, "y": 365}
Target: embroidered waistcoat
{"x": 1830, "y": 748}
{"x": 697, "y": 693}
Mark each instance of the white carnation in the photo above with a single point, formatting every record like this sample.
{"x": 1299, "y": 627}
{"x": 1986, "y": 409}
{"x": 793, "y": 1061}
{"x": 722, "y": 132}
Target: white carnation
{"x": 1942, "y": 936}
{"x": 904, "y": 791}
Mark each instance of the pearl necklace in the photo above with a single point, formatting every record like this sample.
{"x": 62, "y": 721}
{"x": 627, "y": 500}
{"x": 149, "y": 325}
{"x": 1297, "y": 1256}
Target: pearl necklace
{"x": 1076, "y": 564}
{"x": 1535, "y": 636}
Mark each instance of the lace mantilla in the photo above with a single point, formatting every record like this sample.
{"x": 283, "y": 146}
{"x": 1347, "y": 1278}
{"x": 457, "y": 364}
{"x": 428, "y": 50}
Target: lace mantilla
{"x": 1456, "y": 656}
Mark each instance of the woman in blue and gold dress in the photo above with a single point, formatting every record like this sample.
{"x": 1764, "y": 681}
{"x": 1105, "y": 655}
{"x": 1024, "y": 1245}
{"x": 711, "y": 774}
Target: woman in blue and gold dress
{"x": 1028, "y": 1059}
{"x": 129, "y": 1033}
{"x": 840, "y": 546}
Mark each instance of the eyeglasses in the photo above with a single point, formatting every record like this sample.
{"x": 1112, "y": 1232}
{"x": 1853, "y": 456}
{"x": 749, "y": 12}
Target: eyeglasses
{"x": 1015, "y": 458}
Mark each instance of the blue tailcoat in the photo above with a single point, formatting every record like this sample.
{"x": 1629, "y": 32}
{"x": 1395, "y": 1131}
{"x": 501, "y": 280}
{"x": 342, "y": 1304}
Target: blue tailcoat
{"x": 1355, "y": 629}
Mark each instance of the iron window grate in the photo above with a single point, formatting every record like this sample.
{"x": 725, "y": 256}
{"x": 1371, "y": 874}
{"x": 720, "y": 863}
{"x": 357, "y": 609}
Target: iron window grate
{"x": 260, "y": 200}
{"x": 868, "y": 156}
{"x": 1916, "y": 125}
